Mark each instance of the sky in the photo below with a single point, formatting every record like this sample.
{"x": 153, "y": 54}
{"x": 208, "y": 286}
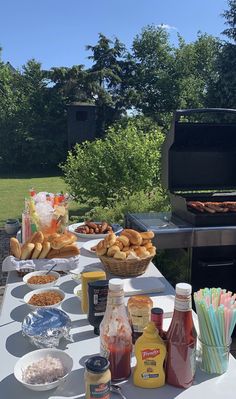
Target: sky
{"x": 55, "y": 32}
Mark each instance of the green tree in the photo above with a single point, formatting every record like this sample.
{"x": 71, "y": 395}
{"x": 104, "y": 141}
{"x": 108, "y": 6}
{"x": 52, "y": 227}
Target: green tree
{"x": 223, "y": 92}
{"x": 195, "y": 65}
{"x": 106, "y": 74}
{"x": 154, "y": 75}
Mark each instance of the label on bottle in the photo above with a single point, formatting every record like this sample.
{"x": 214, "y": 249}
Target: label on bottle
{"x": 100, "y": 301}
{"x": 100, "y": 391}
{"x": 146, "y": 376}
{"x": 183, "y": 304}
{"x": 104, "y": 351}
{"x": 147, "y": 353}
{"x": 115, "y": 300}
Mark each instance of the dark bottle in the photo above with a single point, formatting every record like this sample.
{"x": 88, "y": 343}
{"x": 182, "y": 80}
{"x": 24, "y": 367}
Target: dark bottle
{"x": 181, "y": 340}
{"x": 157, "y": 318}
{"x": 97, "y": 295}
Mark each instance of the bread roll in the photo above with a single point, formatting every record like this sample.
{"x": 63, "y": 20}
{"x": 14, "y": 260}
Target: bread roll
{"x": 152, "y": 251}
{"x": 37, "y": 249}
{"x": 63, "y": 240}
{"x": 101, "y": 248}
{"x": 119, "y": 255}
{"x": 45, "y": 250}
{"x": 37, "y": 237}
{"x": 65, "y": 252}
{"x": 27, "y": 250}
{"x": 141, "y": 252}
{"x": 15, "y": 248}
{"x": 112, "y": 250}
{"x": 110, "y": 240}
{"x": 124, "y": 240}
{"x": 133, "y": 236}
{"x": 147, "y": 235}
{"x": 119, "y": 244}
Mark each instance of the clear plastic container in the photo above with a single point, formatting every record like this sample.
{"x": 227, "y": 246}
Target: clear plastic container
{"x": 213, "y": 359}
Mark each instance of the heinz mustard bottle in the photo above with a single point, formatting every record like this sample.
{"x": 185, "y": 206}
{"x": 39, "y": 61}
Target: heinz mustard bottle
{"x": 150, "y": 352}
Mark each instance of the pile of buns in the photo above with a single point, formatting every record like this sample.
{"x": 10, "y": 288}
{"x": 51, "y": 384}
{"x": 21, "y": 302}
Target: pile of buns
{"x": 40, "y": 246}
{"x": 129, "y": 244}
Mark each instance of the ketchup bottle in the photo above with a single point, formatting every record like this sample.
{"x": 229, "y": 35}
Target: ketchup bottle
{"x": 115, "y": 333}
{"x": 181, "y": 340}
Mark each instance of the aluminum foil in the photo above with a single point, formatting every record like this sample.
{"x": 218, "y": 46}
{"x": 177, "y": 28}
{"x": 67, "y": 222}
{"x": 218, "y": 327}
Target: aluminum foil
{"x": 45, "y": 327}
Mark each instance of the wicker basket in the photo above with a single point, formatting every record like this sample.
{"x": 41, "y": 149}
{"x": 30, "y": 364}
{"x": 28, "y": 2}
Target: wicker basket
{"x": 125, "y": 268}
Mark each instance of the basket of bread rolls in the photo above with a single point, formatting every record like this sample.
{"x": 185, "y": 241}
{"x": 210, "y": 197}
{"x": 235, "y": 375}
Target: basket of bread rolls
{"x": 40, "y": 246}
{"x": 127, "y": 255}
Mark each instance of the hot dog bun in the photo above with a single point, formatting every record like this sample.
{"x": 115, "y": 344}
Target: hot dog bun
{"x": 27, "y": 250}
{"x": 63, "y": 240}
{"x": 15, "y": 248}
{"x": 37, "y": 249}
{"x": 65, "y": 252}
{"x": 45, "y": 250}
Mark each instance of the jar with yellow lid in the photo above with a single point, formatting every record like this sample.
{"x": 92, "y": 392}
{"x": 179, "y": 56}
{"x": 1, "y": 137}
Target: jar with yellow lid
{"x": 97, "y": 378}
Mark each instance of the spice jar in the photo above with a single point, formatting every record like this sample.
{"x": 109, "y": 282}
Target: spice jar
{"x": 139, "y": 309}
{"x": 97, "y": 378}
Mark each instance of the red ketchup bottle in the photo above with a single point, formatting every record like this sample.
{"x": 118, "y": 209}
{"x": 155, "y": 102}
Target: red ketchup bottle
{"x": 181, "y": 340}
{"x": 115, "y": 333}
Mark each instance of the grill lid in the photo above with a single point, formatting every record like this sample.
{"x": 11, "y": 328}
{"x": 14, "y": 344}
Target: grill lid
{"x": 200, "y": 155}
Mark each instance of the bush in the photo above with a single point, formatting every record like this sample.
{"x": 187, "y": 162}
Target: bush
{"x": 137, "y": 202}
{"x": 124, "y": 162}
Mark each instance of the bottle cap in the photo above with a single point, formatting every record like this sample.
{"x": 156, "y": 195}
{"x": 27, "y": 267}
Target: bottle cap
{"x": 183, "y": 289}
{"x": 97, "y": 364}
{"x": 157, "y": 311}
{"x": 116, "y": 284}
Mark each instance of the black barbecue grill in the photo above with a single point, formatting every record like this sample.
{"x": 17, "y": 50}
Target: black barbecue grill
{"x": 199, "y": 164}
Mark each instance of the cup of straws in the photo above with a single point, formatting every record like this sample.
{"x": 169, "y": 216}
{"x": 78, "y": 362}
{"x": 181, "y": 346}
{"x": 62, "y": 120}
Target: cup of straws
{"x": 216, "y": 310}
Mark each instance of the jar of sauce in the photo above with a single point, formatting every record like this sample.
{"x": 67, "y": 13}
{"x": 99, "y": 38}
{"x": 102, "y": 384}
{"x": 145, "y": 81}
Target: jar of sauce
{"x": 97, "y": 378}
{"x": 139, "y": 310}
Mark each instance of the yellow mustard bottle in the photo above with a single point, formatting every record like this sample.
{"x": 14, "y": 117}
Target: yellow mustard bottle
{"x": 150, "y": 352}
{"x": 86, "y": 278}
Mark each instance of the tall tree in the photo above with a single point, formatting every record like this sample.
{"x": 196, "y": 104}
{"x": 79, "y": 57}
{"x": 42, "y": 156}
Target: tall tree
{"x": 154, "y": 75}
{"x": 106, "y": 75}
{"x": 223, "y": 92}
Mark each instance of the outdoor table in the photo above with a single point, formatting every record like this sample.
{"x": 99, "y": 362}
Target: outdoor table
{"x": 13, "y": 346}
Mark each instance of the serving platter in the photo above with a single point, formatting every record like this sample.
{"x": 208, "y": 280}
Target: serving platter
{"x": 117, "y": 229}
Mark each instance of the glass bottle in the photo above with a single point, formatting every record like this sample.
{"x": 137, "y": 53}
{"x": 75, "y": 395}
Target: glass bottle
{"x": 181, "y": 340}
{"x": 115, "y": 332}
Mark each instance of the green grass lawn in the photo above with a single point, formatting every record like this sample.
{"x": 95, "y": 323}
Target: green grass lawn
{"x": 13, "y": 191}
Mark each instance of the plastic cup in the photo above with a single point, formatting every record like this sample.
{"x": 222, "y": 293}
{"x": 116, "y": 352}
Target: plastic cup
{"x": 213, "y": 359}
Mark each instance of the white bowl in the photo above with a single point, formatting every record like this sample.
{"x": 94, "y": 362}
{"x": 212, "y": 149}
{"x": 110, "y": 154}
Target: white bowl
{"x": 40, "y": 291}
{"x": 78, "y": 291}
{"x": 35, "y": 356}
{"x": 40, "y": 273}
